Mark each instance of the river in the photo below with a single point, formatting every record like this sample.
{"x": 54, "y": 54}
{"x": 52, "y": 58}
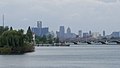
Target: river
{"x": 82, "y": 56}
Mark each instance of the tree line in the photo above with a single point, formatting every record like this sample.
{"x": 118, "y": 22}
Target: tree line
{"x": 46, "y": 39}
{"x": 15, "y": 41}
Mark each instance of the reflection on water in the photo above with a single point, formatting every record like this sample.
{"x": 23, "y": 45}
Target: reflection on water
{"x": 84, "y": 56}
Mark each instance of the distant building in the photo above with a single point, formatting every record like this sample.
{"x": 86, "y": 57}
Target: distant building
{"x": 104, "y": 33}
{"x": 115, "y": 34}
{"x": 80, "y": 33}
{"x": 63, "y": 36}
{"x": 68, "y": 30}
{"x": 39, "y": 24}
{"x": 62, "y": 32}
{"x": 36, "y": 31}
{"x": 85, "y": 35}
{"x": 95, "y": 34}
{"x": 68, "y": 34}
{"x": 90, "y": 33}
{"x": 44, "y": 31}
{"x": 39, "y": 31}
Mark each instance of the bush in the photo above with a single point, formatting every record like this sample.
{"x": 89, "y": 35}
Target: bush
{"x": 5, "y": 50}
{"x": 13, "y": 42}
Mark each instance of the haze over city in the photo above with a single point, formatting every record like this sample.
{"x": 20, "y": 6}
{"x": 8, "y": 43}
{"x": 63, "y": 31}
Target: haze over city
{"x": 94, "y": 15}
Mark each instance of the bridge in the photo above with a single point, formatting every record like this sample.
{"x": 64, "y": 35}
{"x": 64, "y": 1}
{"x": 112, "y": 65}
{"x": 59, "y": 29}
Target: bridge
{"x": 92, "y": 41}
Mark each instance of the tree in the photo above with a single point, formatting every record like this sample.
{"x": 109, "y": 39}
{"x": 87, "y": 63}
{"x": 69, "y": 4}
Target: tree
{"x": 11, "y": 28}
{"x": 50, "y": 39}
{"x": 44, "y": 39}
{"x": 12, "y": 39}
{"x": 29, "y": 35}
{"x": 57, "y": 40}
{"x": 21, "y": 31}
{"x": 2, "y": 29}
{"x": 13, "y": 42}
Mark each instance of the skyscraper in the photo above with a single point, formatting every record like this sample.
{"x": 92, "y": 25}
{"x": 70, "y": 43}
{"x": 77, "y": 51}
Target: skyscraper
{"x": 104, "y": 33}
{"x": 39, "y": 24}
{"x": 115, "y": 34}
{"x": 90, "y": 33}
{"x": 62, "y": 31}
{"x": 80, "y": 33}
{"x": 68, "y": 34}
{"x": 39, "y": 30}
{"x": 68, "y": 30}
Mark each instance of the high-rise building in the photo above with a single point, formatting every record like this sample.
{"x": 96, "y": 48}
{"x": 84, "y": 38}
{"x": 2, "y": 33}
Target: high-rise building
{"x": 90, "y": 33}
{"x": 62, "y": 31}
{"x": 36, "y": 31}
{"x": 68, "y": 34}
{"x": 115, "y": 34}
{"x": 44, "y": 31}
{"x": 80, "y": 33}
{"x": 68, "y": 30}
{"x": 95, "y": 34}
{"x": 39, "y": 31}
{"x": 39, "y": 24}
{"x": 104, "y": 33}
{"x": 85, "y": 35}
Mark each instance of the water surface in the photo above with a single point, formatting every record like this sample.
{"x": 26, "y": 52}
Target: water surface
{"x": 83, "y": 56}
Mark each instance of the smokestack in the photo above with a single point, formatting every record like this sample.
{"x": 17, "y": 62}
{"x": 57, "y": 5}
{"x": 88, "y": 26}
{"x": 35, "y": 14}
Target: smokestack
{"x": 3, "y": 20}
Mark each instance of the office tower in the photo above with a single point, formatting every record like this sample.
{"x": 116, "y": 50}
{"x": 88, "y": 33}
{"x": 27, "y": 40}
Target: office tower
{"x": 39, "y": 24}
{"x": 80, "y": 33}
{"x": 104, "y": 33}
{"x": 90, "y": 33}
{"x": 95, "y": 34}
{"x": 62, "y": 31}
{"x": 68, "y": 30}
{"x": 39, "y": 30}
{"x": 85, "y": 35}
{"x": 68, "y": 34}
{"x": 44, "y": 31}
{"x": 115, "y": 34}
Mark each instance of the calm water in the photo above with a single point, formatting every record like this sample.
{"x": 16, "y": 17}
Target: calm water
{"x": 84, "y": 56}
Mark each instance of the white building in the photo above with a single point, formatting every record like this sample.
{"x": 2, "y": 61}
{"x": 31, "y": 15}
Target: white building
{"x": 95, "y": 34}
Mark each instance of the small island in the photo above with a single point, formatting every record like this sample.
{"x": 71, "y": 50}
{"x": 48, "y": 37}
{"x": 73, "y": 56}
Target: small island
{"x": 15, "y": 41}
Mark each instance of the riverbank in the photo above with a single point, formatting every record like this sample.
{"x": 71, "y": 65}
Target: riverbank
{"x": 16, "y": 50}
{"x": 52, "y": 45}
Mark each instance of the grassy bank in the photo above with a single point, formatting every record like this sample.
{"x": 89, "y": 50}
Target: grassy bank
{"x": 16, "y": 50}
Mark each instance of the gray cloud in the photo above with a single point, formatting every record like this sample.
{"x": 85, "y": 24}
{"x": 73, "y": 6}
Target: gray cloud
{"x": 78, "y": 14}
{"x": 108, "y": 1}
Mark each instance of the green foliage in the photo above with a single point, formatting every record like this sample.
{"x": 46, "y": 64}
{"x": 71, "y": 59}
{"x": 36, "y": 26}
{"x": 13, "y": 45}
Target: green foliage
{"x": 11, "y": 38}
{"x": 29, "y": 35}
{"x": 45, "y": 39}
{"x": 21, "y": 31}
{"x": 57, "y": 40}
{"x": 11, "y": 28}
{"x": 50, "y": 39}
{"x": 12, "y": 41}
{"x": 5, "y": 50}
{"x": 2, "y": 29}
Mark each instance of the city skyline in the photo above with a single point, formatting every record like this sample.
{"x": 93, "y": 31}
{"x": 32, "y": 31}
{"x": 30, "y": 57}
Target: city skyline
{"x": 66, "y": 33}
{"x": 94, "y": 15}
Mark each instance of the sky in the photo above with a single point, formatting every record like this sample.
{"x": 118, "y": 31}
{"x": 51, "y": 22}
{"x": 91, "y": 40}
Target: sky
{"x": 85, "y": 15}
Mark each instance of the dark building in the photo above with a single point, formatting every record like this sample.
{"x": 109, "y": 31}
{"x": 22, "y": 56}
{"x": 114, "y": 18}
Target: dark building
{"x": 104, "y": 33}
{"x": 39, "y": 31}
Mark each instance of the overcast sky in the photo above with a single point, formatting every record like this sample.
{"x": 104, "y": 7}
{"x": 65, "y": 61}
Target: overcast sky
{"x": 95, "y": 15}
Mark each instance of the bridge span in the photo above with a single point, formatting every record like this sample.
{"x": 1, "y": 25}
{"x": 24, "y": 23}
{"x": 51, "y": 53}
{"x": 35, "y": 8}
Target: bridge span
{"x": 100, "y": 41}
